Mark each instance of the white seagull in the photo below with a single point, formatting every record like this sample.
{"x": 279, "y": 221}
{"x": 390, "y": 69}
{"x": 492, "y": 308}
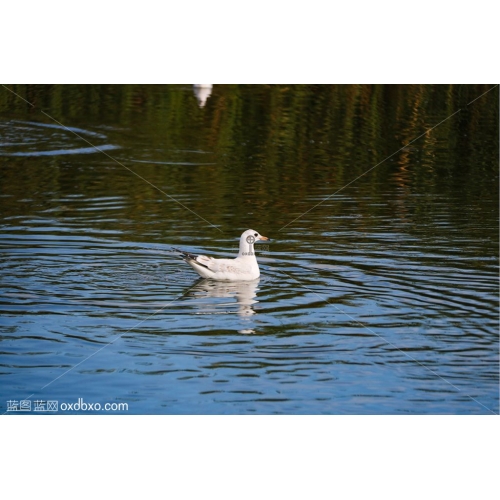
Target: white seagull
{"x": 242, "y": 268}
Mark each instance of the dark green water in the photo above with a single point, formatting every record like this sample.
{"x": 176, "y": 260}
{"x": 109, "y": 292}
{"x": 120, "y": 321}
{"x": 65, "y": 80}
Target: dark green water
{"x": 378, "y": 292}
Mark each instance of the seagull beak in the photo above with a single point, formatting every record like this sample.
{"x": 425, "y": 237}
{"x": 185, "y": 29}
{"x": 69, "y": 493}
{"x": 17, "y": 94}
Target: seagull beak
{"x": 263, "y": 238}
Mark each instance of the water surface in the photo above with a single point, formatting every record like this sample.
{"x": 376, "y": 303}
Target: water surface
{"x": 378, "y": 292}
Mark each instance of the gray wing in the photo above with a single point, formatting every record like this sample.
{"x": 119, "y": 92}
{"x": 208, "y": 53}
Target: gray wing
{"x": 199, "y": 260}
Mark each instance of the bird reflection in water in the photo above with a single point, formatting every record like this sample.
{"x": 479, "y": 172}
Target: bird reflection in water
{"x": 245, "y": 293}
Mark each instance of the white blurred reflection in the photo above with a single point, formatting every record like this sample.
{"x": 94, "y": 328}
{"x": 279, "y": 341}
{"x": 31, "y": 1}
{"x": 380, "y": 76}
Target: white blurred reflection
{"x": 202, "y": 91}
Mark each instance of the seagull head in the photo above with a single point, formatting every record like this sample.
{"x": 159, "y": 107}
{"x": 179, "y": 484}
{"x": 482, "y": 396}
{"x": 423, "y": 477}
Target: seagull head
{"x": 247, "y": 240}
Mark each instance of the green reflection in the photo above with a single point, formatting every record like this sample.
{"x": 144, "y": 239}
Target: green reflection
{"x": 266, "y": 152}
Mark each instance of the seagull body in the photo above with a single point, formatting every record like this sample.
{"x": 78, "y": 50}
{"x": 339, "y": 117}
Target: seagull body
{"x": 242, "y": 268}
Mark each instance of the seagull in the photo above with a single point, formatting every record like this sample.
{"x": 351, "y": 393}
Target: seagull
{"x": 242, "y": 268}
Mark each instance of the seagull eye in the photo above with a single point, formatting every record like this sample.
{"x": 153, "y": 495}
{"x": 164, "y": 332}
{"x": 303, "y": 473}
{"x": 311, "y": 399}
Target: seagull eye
{"x": 256, "y": 234}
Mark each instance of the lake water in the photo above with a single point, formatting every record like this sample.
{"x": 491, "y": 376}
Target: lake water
{"x": 378, "y": 293}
